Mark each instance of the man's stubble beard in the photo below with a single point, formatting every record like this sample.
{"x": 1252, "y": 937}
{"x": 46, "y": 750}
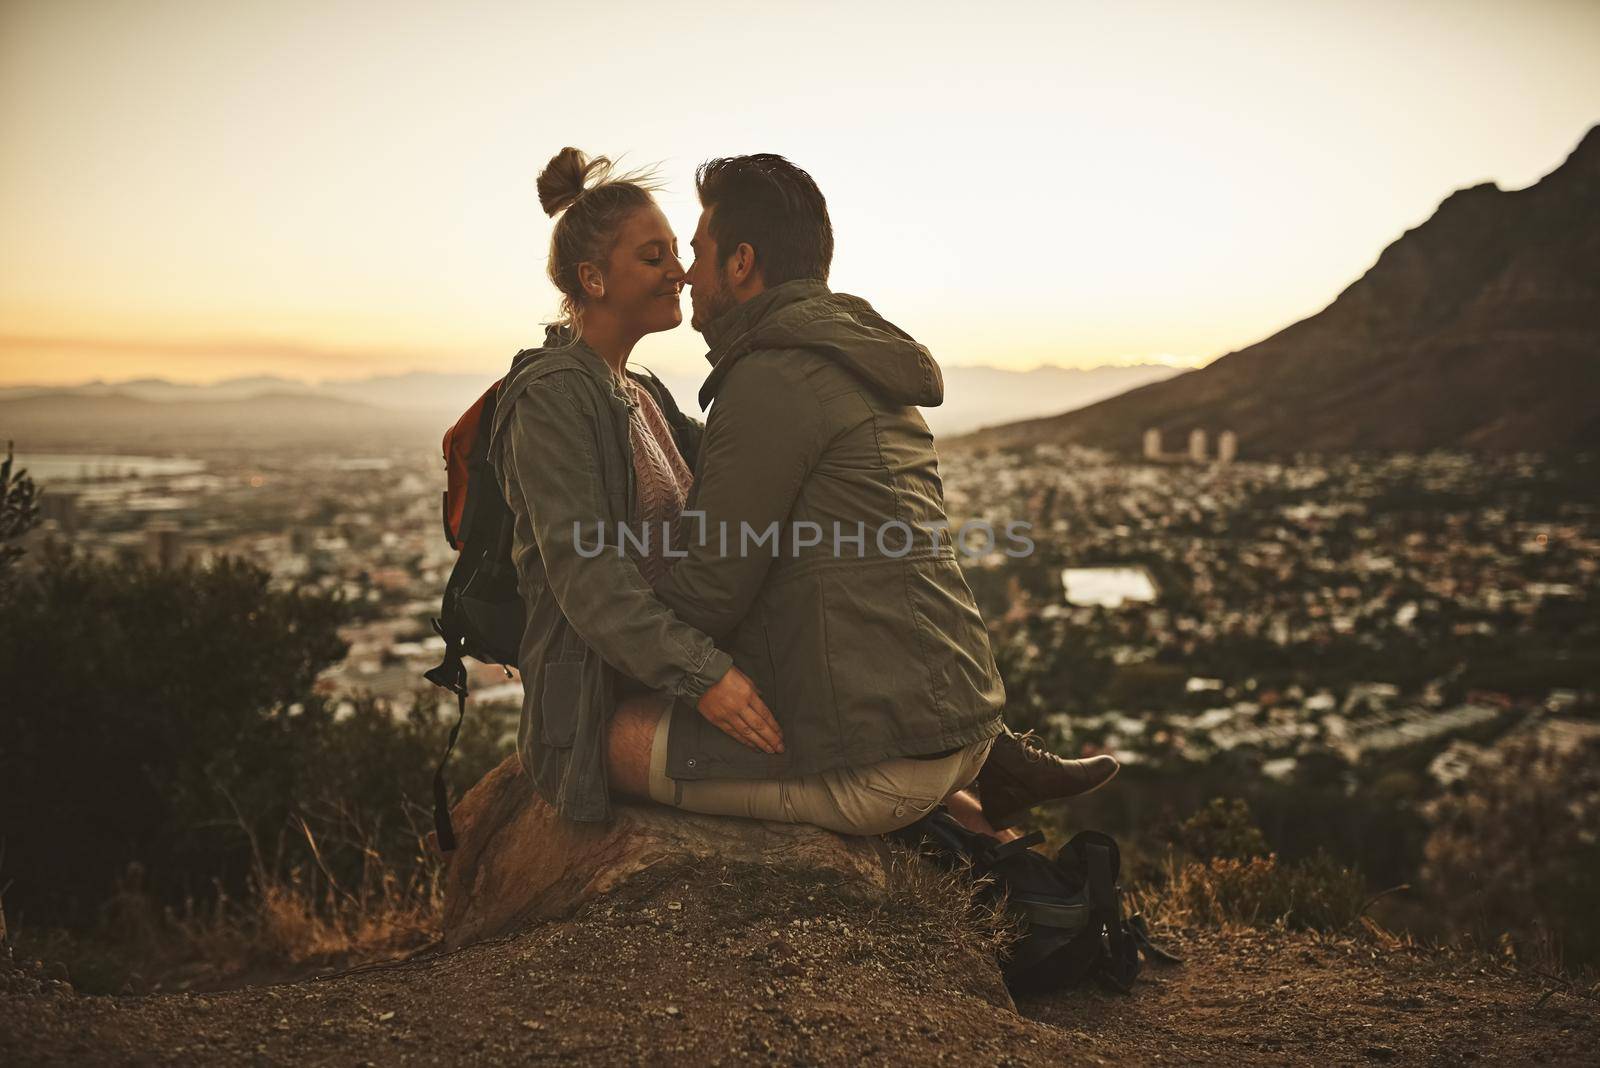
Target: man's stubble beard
{"x": 715, "y": 306}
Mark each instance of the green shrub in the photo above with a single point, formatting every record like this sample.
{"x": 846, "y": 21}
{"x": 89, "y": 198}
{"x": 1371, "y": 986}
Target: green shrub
{"x": 1514, "y": 853}
{"x": 19, "y": 511}
{"x": 1316, "y": 894}
{"x": 169, "y": 718}
{"x": 1223, "y": 872}
{"x": 1224, "y": 830}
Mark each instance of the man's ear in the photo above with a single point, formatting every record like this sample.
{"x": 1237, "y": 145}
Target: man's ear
{"x": 743, "y": 272}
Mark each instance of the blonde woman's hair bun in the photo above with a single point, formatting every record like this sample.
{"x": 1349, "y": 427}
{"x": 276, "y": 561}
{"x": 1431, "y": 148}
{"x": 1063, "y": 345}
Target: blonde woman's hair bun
{"x": 567, "y": 176}
{"x": 593, "y": 202}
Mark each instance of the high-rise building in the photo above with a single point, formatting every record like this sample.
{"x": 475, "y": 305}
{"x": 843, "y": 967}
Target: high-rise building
{"x": 1152, "y": 444}
{"x": 1227, "y": 447}
{"x": 1197, "y": 445}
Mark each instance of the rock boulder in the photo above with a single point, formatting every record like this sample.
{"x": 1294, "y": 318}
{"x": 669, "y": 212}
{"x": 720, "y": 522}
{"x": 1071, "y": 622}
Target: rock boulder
{"x": 517, "y": 862}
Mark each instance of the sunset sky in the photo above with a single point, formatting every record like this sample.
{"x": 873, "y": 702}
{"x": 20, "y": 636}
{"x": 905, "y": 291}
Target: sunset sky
{"x": 205, "y": 189}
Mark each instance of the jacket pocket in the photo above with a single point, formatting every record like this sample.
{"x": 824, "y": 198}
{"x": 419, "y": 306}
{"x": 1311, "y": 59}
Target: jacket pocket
{"x": 796, "y": 624}
{"x": 874, "y": 652}
{"x": 957, "y": 658}
{"x": 558, "y": 702}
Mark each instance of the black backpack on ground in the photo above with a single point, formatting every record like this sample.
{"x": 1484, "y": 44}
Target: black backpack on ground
{"x": 1070, "y": 909}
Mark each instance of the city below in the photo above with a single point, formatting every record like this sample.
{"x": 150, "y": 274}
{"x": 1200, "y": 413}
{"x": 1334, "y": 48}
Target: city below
{"x": 1175, "y": 611}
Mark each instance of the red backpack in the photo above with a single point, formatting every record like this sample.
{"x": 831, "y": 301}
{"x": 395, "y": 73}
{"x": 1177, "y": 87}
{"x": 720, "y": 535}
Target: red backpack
{"x": 482, "y": 614}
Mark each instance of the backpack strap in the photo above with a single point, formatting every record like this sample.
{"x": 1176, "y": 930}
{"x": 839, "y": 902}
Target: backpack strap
{"x": 939, "y": 837}
{"x": 1141, "y": 935}
{"x": 992, "y": 854}
{"x": 1121, "y": 964}
{"x": 451, "y": 673}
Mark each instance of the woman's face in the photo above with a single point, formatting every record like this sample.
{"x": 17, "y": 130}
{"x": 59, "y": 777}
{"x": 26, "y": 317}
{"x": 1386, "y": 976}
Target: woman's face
{"x": 643, "y": 278}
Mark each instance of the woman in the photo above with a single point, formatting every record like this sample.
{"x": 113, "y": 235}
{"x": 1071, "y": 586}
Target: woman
{"x": 581, "y": 444}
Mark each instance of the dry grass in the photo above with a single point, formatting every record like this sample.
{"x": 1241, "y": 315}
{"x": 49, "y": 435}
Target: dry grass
{"x": 1317, "y": 894}
{"x": 293, "y": 920}
{"x": 300, "y": 917}
{"x": 305, "y": 915}
{"x": 951, "y": 903}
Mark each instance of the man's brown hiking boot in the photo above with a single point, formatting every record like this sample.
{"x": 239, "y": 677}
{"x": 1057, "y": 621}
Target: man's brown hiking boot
{"x": 1020, "y": 772}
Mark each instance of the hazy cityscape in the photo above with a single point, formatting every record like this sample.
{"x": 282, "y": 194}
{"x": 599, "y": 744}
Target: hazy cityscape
{"x": 1175, "y": 611}
{"x": 1348, "y": 606}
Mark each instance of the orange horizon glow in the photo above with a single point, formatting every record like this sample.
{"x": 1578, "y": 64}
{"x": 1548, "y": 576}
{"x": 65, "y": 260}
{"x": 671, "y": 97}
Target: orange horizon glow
{"x": 345, "y": 190}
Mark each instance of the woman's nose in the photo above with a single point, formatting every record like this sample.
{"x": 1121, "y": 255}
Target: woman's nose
{"x": 675, "y": 271}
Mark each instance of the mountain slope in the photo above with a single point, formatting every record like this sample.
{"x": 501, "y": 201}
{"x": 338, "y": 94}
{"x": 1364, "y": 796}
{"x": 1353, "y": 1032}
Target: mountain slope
{"x": 1479, "y": 329}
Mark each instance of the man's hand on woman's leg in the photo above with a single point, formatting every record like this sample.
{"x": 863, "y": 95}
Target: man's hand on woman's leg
{"x": 734, "y": 707}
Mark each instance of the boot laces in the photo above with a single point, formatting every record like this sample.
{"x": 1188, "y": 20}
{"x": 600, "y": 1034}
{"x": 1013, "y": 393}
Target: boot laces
{"x": 1033, "y": 747}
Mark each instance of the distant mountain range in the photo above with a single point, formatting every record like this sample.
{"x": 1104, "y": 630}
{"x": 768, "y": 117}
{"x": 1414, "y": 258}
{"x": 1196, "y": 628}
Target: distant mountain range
{"x": 1479, "y": 330}
{"x": 115, "y": 421}
{"x": 241, "y": 407}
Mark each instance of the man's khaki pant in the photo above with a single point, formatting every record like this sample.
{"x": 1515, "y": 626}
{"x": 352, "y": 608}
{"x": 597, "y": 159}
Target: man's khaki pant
{"x": 874, "y": 799}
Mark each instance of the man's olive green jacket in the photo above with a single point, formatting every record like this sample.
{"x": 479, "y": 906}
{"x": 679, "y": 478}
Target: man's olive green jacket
{"x": 854, "y": 620}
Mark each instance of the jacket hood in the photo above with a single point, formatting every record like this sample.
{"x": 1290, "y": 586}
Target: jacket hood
{"x": 805, "y": 314}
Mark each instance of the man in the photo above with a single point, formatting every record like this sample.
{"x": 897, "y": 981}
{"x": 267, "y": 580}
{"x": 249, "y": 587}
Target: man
{"x": 818, "y": 555}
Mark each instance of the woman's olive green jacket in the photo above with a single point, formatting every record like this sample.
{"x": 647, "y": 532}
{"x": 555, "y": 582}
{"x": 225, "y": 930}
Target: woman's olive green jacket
{"x": 561, "y": 448}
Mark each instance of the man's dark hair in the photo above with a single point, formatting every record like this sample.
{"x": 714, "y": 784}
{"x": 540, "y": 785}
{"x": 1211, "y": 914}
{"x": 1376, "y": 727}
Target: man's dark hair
{"x": 773, "y": 206}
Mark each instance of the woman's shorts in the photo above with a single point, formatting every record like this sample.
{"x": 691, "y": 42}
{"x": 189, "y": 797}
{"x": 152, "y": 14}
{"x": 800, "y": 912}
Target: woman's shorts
{"x": 873, "y": 799}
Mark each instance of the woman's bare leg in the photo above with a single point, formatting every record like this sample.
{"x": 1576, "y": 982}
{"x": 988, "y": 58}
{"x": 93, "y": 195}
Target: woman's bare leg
{"x": 965, "y": 810}
{"x": 628, "y": 741}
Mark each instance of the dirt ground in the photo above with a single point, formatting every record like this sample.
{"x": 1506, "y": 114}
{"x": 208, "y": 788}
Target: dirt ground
{"x": 710, "y": 967}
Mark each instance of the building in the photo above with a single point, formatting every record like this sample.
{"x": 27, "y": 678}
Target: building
{"x": 1152, "y": 444}
{"x": 1196, "y": 453}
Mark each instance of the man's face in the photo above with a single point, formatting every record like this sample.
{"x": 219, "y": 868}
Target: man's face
{"x": 710, "y": 294}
